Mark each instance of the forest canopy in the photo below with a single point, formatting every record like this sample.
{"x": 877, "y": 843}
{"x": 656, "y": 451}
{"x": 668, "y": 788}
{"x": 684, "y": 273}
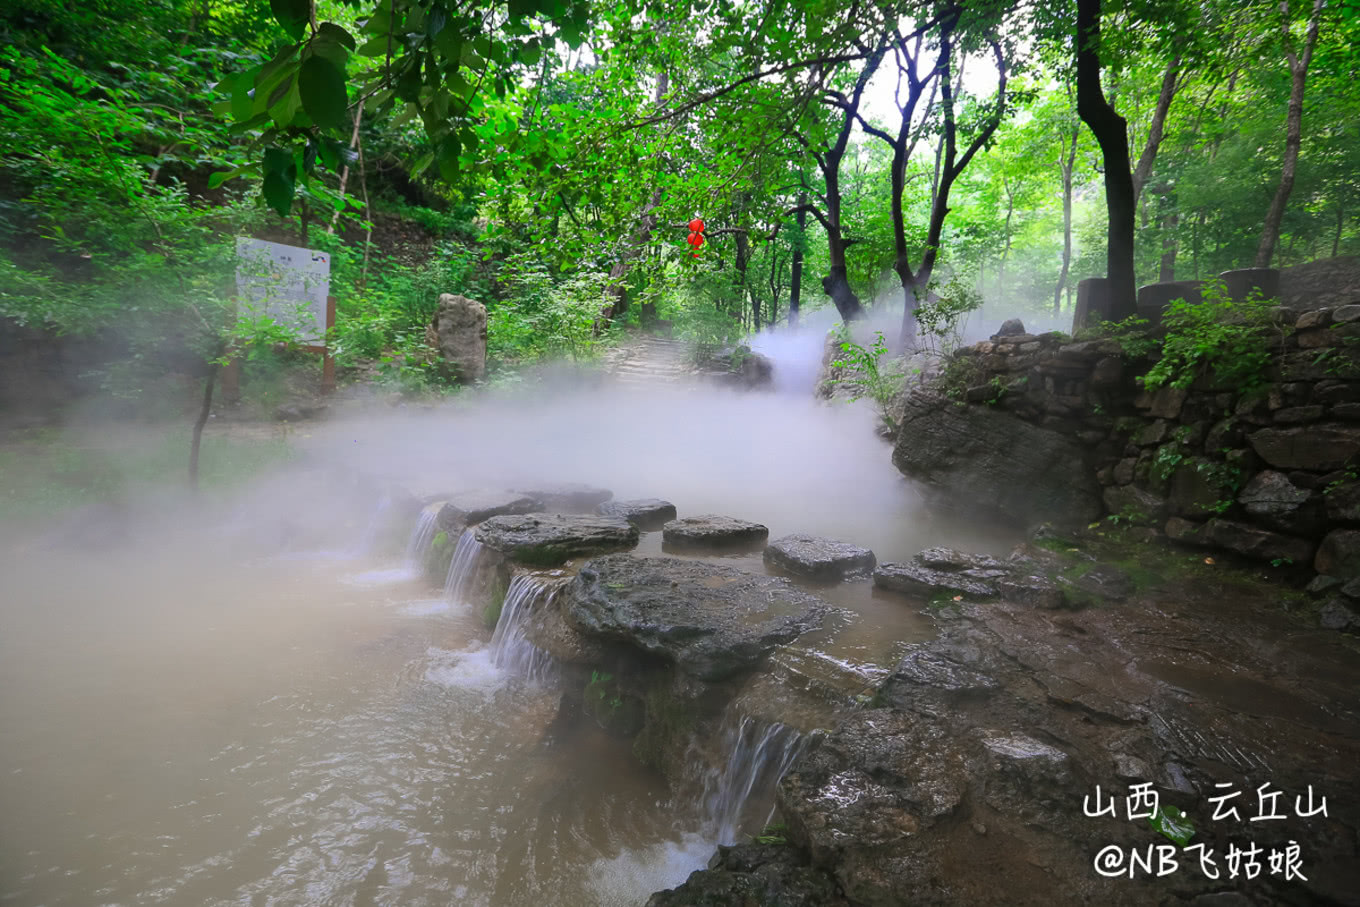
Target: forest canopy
{"x": 545, "y": 156}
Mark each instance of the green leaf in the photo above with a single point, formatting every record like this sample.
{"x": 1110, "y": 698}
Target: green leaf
{"x": 1173, "y": 824}
{"x": 240, "y": 95}
{"x": 375, "y": 47}
{"x": 284, "y": 103}
{"x": 322, "y": 87}
{"x": 449, "y": 150}
{"x": 336, "y": 33}
{"x": 217, "y": 179}
{"x": 280, "y": 175}
{"x": 293, "y": 15}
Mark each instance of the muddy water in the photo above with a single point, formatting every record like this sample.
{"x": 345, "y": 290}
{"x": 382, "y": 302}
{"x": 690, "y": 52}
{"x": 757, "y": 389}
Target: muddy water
{"x": 181, "y": 723}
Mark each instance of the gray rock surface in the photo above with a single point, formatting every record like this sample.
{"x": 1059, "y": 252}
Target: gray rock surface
{"x": 710, "y": 531}
{"x": 459, "y": 334}
{"x": 548, "y": 540}
{"x": 819, "y": 558}
{"x": 709, "y": 620}
{"x": 644, "y": 513}
{"x": 768, "y": 875}
{"x": 995, "y": 462}
{"x": 468, "y": 508}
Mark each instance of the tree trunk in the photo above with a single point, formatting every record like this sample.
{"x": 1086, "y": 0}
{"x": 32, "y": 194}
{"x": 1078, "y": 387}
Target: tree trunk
{"x": 616, "y": 292}
{"x": 344, "y": 172}
{"x": 1155, "y": 130}
{"x": 1336, "y": 237}
{"x": 1066, "y": 164}
{"x": 1298, "y": 70}
{"x": 1112, "y": 135}
{"x": 1167, "y": 271}
{"x": 204, "y": 411}
{"x": 796, "y": 277}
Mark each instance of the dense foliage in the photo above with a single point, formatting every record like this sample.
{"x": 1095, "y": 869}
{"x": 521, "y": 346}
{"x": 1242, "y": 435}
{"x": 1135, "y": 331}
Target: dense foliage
{"x": 544, "y": 156}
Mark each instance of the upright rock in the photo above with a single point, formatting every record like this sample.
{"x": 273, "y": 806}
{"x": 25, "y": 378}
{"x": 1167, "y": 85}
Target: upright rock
{"x": 459, "y": 329}
{"x": 995, "y": 461}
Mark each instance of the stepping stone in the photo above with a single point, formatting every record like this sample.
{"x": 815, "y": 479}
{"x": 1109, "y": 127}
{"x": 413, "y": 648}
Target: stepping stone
{"x": 549, "y": 540}
{"x": 710, "y": 620}
{"x": 644, "y": 513}
{"x": 468, "y": 508}
{"x": 819, "y": 558}
{"x": 914, "y": 579}
{"x": 709, "y": 531}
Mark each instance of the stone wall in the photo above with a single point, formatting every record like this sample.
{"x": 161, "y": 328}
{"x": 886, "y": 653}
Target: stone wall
{"x": 1272, "y": 474}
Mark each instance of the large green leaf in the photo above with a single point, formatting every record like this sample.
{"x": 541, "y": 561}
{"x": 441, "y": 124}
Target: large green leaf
{"x": 280, "y": 176}
{"x": 322, "y": 87}
{"x": 293, "y": 15}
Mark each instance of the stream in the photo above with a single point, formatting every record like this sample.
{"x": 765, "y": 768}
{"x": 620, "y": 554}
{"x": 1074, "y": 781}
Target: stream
{"x": 302, "y": 719}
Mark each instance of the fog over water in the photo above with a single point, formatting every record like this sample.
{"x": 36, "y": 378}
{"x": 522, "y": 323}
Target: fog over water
{"x": 249, "y": 699}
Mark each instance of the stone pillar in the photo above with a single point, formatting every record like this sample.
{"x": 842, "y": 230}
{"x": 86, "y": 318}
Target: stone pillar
{"x": 1093, "y": 302}
{"x": 1241, "y": 282}
{"x": 459, "y": 328}
{"x": 1154, "y": 298}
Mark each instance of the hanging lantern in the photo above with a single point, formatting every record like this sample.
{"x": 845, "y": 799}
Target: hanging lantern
{"x": 696, "y": 236}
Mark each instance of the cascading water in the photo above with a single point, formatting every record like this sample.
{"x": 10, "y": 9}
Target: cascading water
{"x": 759, "y": 755}
{"x": 463, "y": 568}
{"x": 510, "y": 650}
{"x": 423, "y": 535}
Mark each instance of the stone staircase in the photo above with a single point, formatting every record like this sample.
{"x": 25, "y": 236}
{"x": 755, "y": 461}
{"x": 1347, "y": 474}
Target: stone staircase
{"x": 650, "y": 361}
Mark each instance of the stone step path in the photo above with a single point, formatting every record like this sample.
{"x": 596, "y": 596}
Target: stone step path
{"x": 649, "y": 361}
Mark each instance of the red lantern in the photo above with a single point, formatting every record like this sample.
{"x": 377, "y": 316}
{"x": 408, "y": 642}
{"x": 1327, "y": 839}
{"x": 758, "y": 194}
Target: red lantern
{"x": 696, "y": 236}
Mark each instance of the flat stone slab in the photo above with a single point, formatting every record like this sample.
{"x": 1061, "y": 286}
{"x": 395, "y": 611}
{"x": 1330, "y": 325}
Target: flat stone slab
{"x": 551, "y": 539}
{"x": 568, "y": 497}
{"x": 819, "y": 558}
{"x": 709, "y": 531}
{"x": 468, "y": 508}
{"x": 644, "y": 513}
{"x": 710, "y": 620}
{"x": 915, "y": 579}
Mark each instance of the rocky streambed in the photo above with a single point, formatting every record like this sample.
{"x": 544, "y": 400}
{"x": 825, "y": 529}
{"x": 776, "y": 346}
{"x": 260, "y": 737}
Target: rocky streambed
{"x": 1079, "y": 731}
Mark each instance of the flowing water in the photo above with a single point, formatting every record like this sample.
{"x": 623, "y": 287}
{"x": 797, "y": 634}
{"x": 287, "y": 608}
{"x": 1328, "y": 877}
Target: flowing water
{"x": 271, "y": 706}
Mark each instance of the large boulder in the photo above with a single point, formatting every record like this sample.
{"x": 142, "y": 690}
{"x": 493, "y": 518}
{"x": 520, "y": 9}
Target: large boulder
{"x": 644, "y": 513}
{"x": 459, "y": 333}
{"x": 819, "y": 558}
{"x": 709, "y": 620}
{"x": 1321, "y": 447}
{"x": 548, "y": 540}
{"x": 468, "y": 508}
{"x": 712, "y": 532}
{"x": 767, "y": 874}
{"x": 996, "y": 462}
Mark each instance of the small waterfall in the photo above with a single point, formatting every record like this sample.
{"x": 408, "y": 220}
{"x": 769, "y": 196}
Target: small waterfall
{"x": 423, "y": 535}
{"x": 510, "y": 650}
{"x": 759, "y": 755}
{"x": 463, "y": 568}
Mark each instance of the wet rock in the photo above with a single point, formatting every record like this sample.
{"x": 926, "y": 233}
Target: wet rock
{"x": 1134, "y": 504}
{"x": 1320, "y": 447}
{"x": 1270, "y": 493}
{"x": 709, "y": 531}
{"x": 644, "y": 513}
{"x": 1337, "y": 614}
{"x": 770, "y": 875}
{"x": 1339, "y": 554}
{"x": 1011, "y": 327}
{"x": 1028, "y": 779}
{"x": 548, "y": 540}
{"x": 915, "y": 579}
{"x": 819, "y": 558}
{"x": 995, "y": 461}
{"x": 458, "y": 331}
{"x": 1342, "y": 502}
{"x": 469, "y": 508}
{"x": 980, "y": 566}
{"x": 1251, "y": 541}
{"x": 1321, "y": 583}
{"x": 709, "y": 620}
{"x": 569, "y": 497}
{"x": 1035, "y": 590}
